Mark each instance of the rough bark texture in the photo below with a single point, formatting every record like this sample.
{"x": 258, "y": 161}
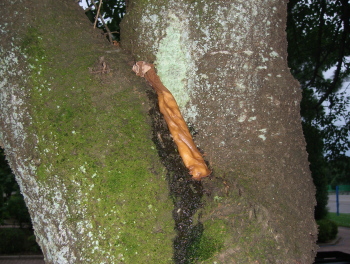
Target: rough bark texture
{"x": 79, "y": 139}
{"x": 76, "y": 132}
{"x": 225, "y": 62}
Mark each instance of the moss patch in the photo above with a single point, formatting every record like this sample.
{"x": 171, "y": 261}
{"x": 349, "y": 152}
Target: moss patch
{"x": 208, "y": 243}
{"x": 92, "y": 135}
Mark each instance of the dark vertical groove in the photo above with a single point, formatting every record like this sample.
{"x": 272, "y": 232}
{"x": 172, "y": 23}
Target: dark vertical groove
{"x": 185, "y": 192}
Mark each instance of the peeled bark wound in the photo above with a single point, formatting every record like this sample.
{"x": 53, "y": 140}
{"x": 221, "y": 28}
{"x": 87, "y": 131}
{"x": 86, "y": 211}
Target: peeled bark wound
{"x": 189, "y": 153}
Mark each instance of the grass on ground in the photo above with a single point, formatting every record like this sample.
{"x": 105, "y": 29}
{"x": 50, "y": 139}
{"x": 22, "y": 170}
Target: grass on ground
{"x": 341, "y": 219}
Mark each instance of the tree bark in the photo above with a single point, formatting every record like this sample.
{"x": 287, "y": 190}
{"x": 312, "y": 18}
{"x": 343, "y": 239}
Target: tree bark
{"x": 99, "y": 172}
{"x": 225, "y": 62}
{"x": 76, "y": 131}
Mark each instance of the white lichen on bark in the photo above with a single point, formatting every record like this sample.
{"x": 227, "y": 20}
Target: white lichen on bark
{"x": 44, "y": 199}
{"x": 174, "y": 59}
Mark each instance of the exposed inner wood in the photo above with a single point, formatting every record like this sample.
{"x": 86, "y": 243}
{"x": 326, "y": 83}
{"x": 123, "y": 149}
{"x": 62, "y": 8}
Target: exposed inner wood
{"x": 188, "y": 151}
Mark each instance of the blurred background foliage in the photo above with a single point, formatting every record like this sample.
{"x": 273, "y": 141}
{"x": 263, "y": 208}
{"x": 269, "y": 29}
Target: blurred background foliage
{"x": 111, "y": 13}
{"x": 16, "y": 232}
{"x": 318, "y": 35}
{"x": 12, "y": 205}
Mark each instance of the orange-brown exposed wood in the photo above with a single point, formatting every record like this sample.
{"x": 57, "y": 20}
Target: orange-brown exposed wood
{"x": 189, "y": 153}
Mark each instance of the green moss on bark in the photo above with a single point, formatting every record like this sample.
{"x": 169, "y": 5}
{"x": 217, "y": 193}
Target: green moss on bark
{"x": 95, "y": 162}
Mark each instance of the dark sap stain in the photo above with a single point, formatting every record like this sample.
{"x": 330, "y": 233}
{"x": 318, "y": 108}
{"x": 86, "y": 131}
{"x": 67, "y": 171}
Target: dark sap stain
{"x": 185, "y": 192}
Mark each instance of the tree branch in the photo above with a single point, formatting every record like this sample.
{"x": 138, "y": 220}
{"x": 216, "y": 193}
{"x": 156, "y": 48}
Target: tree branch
{"x": 103, "y": 22}
{"x": 345, "y": 17}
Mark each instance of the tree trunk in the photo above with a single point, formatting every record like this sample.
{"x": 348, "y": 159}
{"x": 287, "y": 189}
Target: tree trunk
{"x": 99, "y": 172}
{"x": 76, "y": 132}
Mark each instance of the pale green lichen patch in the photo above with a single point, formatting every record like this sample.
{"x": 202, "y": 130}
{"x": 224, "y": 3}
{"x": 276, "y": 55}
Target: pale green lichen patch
{"x": 174, "y": 61}
{"x": 187, "y": 39}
